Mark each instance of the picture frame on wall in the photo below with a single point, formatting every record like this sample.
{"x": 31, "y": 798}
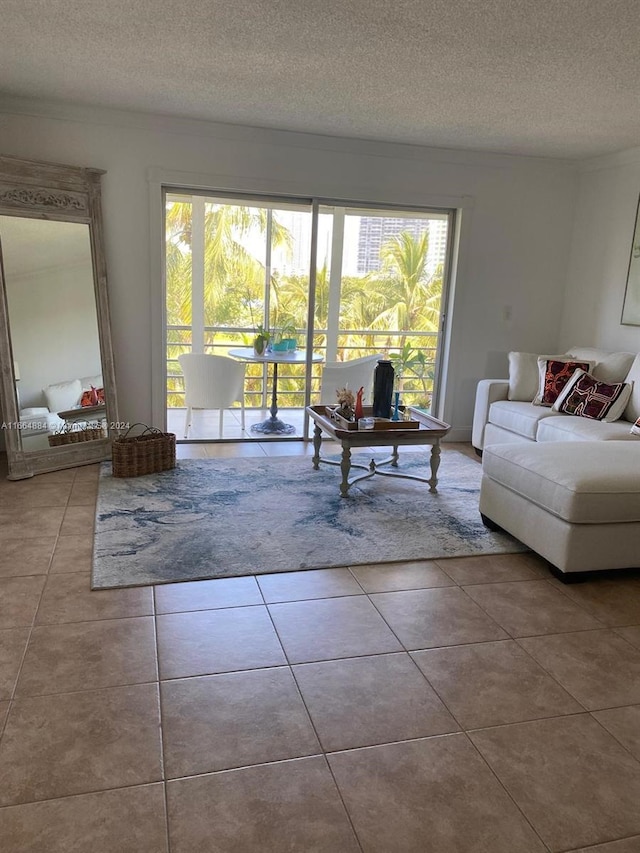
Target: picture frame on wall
{"x": 631, "y": 303}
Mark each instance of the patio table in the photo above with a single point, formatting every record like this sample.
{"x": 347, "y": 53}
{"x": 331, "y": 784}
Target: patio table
{"x": 273, "y": 425}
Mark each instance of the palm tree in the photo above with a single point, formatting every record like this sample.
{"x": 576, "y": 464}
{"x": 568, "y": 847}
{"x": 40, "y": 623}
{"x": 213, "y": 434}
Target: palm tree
{"x": 234, "y": 278}
{"x": 403, "y": 297}
{"x": 413, "y": 295}
{"x": 233, "y": 275}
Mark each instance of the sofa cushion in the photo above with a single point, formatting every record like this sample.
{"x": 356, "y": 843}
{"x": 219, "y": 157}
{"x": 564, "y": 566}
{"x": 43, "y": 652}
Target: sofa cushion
{"x": 523, "y": 375}
{"x": 516, "y": 416}
{"x": 587, "y": 397}
{"x": 632, "y": 412}
{"x": 608, "y": 366}
{"x": 577, "y": 482}
{"x": 34, "y": 411}
{"x": 554, "y": 373}
{"x": 40, "y": 421}
{"x": 569, "y": 428}
{"x": 63, "y": 395}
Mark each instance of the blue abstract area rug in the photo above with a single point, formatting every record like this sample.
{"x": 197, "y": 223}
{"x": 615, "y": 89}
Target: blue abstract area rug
{"x": 218, "y": 518}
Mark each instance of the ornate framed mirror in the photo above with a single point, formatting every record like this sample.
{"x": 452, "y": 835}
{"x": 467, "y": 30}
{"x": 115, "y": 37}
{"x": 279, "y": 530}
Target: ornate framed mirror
{"x": 631, "y": 304}
{"x": 57, "y": 376}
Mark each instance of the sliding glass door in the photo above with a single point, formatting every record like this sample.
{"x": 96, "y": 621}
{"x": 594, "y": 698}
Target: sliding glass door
{"x": 236, "y": 263}
{"x": 380, "y": 286}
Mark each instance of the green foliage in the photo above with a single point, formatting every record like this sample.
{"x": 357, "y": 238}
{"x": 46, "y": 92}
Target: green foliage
{"x": 260, "y": 331}
{"x": 411, "y": 363}
{"x": 401, "y": 299}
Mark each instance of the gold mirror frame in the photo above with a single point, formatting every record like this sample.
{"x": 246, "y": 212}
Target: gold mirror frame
{"x": 51, "y": 191}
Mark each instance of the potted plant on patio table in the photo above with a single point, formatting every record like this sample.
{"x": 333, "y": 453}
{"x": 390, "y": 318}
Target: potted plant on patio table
{"x": 261, "y": 340}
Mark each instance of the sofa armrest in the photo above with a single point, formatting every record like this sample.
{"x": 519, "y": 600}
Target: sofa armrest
{"x": 487, "y": 392}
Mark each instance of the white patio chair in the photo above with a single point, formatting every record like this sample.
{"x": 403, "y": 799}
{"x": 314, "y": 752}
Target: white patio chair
{"x": 353, "y": 375}
{"x": 211, "y": 382}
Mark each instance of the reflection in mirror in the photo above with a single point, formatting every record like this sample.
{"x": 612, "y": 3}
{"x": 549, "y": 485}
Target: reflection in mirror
{"x": 54, "y": 330}
{"x": 57, "y": 374}
{"x": 631, "y": 307}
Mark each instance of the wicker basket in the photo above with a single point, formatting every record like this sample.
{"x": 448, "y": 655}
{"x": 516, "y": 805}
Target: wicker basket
{"x": 75, "y": 436}
{"x": 148, "y": 453}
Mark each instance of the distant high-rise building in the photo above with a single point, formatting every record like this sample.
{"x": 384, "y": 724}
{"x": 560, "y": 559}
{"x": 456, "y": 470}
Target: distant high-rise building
{"x": 376, "y": 230}
{"x": 438, "y": 233}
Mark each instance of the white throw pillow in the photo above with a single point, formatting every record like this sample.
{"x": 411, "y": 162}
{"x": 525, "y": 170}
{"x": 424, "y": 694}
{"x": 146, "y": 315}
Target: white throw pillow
{"x": 63, "y": 396}
{"x": 610, "y": 367}
{"x": 88, "y": 381}
{"x": 635, "y": 429}
{"x": 632, "y": 412}
{"x": 523, "y": 375}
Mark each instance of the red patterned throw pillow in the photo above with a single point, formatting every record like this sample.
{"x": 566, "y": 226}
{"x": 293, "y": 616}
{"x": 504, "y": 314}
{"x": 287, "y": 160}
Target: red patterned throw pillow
{"x": 586, "y": 397}
{"x": 635, "y": 429}
{"x": 93, "y": 397}
{"x": 554, "y": 375}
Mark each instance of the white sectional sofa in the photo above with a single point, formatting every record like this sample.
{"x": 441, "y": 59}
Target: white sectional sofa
{"x": 504, "y": 415}
{"x": 566, "y": 486}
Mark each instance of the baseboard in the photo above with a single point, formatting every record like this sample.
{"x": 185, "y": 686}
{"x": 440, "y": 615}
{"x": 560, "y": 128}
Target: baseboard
{"x": 458, "y": 434}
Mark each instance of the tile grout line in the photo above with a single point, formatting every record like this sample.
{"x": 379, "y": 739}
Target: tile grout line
{"x": 81, "y": 794}
{"x": 563, "y": 589}
{"x": 313, "y": 726}
{"x": 611, "y": 734}
{"x": 599, "y": 844}
{"x": 524, "y": 636}
{"x": 165, "y": 797}
{"x": 30, "y": 629}
{"x": 46, "y": 576}
{"x": 547, "y": 671}
{"x": 462, "y": 728}
{"x": 508, "y": 793}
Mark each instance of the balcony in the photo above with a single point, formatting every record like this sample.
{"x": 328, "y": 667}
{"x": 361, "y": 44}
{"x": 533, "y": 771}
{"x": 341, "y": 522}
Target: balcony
{"x": 416, "y": 385}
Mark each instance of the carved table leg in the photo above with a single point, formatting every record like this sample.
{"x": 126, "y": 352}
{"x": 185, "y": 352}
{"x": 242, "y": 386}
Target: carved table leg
{"x": 345, "y": 467}
{"x": 317, "y": 443}
{"x": 435, "y": 464}
{"x": 394, "y": 456}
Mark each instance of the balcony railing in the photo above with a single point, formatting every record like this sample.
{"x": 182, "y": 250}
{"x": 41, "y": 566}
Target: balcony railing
{"x": 416, "y": 383}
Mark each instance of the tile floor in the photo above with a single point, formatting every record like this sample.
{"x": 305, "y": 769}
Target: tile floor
{"x": 470, "y": 705}
{"x": 205, "y": 424}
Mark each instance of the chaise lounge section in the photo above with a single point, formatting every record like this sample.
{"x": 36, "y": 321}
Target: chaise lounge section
{"x": 567, "y": 486}
{"x": 576, "y": 504}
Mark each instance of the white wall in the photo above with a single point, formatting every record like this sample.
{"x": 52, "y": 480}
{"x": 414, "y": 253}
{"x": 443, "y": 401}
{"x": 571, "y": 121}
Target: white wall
{"x": 601, "y": 247}
{"x": 516, "y": 224}
{"x": 54, "y": 333}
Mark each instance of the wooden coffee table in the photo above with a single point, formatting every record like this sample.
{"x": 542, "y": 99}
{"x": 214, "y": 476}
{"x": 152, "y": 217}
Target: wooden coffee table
{"x": 429, "y": 432}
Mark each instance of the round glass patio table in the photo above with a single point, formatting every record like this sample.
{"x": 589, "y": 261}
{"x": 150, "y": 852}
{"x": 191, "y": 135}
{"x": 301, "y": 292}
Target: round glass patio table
{"x": 273, "y": 425}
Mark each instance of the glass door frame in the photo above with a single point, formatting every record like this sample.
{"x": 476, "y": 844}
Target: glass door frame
{"x": 315, "y": 203}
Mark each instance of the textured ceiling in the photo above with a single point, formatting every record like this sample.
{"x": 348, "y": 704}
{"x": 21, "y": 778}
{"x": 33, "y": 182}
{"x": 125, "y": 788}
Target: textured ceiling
{"x": 543, "y": 77}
